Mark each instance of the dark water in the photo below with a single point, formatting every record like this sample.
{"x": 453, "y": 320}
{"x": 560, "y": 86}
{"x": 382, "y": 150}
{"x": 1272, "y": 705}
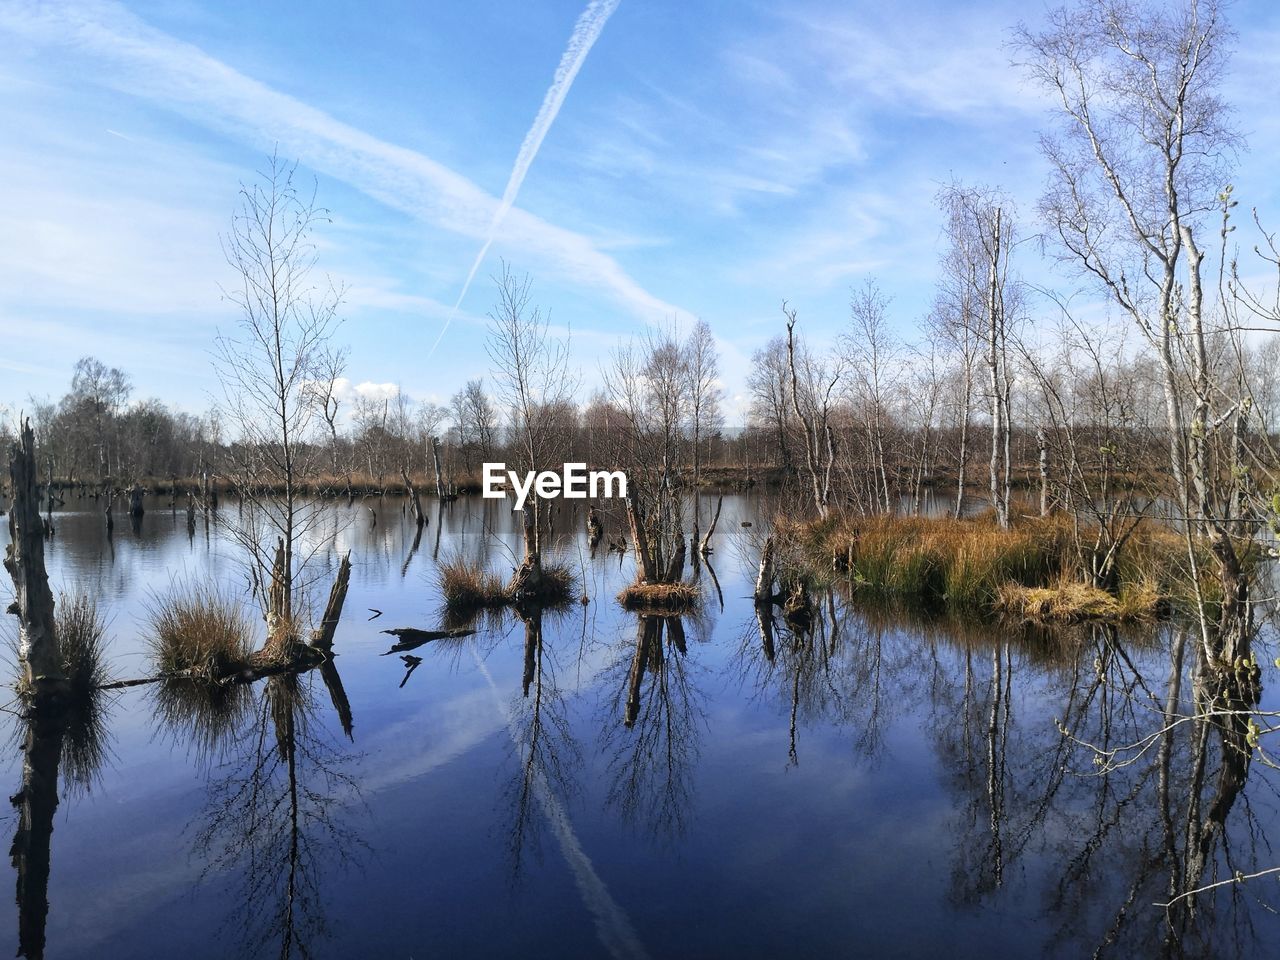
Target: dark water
{"x": 879, "y": 787}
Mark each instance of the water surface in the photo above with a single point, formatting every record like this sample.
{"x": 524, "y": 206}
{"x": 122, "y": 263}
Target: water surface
{"x": 880, "y": 786}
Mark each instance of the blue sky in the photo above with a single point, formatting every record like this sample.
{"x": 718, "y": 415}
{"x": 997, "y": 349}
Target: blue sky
{"x": 709, "y": 160}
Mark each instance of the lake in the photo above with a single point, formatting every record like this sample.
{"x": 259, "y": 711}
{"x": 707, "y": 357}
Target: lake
{"x": 599, "y": 785}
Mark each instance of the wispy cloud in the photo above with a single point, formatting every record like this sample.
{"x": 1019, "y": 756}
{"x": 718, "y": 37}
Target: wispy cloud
{"x": 137, "y": 59}
{"x": 585, "y": 33}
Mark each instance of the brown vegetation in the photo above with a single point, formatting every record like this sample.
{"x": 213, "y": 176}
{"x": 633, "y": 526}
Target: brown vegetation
{"x": 468, "y": 587}
{"x": 664, "y": 598}
{"x": 1035, "y": 567}
{"x": 199, "y": 632}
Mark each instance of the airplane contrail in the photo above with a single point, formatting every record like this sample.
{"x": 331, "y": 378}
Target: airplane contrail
{"x": 585, "y": 33}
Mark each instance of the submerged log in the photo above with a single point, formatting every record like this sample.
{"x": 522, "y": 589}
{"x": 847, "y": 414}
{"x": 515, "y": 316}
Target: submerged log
{"x": 24, "y": 560}
{"x": 411, "y": 637}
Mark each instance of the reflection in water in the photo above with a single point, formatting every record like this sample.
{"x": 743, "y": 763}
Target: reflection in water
{"x": 277, "y": 794}
{"x": 1075, "y": 780}
{"x": 71, "y": 742}
{"x": 36, "y": 803}
{"x": 547, "y": 751}
{"x": 652, "y": 753}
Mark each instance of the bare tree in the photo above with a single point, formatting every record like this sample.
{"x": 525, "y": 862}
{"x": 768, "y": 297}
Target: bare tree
{"x": 869, "y": 353}
{"x": 770, "y": 386}
{"x": 531, "y": 374}
{"x": 1137, "y": 161}
{"x": 703, "y": 370}
{"x": 266, "y": 365}
{"x": 813, "y": 388}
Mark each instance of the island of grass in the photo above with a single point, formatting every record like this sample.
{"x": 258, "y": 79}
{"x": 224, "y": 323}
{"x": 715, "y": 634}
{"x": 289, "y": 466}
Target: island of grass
{"x": 1037, "y": 568}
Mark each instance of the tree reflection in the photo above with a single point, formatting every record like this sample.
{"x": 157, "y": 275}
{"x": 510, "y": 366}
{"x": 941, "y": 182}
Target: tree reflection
{"x": 542, "y": 736}
{"x": 1127, "y": 819}
{"x": 70, "y": 743}
{"x": 652, "y": 753}
{"x": 277, "y": 792}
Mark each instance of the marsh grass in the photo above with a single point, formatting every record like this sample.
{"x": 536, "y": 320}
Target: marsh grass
{"x": 1032, "y": 568}
{"x": 81, "y": 633}
{"x": 469, "y": 588}
{"x": 659, "y": 597}
{"x": 1073, "y": 601}
{"x": 199, "y": 631}
{"x": 559, "y": 583}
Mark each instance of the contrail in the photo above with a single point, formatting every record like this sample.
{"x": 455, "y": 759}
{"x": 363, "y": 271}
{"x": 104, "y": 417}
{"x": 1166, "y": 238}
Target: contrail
{"x": 585, "y": 33}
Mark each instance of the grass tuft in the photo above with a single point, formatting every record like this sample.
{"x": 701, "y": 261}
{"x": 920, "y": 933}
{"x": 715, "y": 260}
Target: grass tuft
{"x": 1031, "y": 569}
{"x": 199, "y": 631}
{"x": 81, "y": 634}
{"x": 659, "y": 597}
{"x": 468, "y": 586}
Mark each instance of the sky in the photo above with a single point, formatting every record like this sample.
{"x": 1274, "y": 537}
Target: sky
{"x": 646, "y": 163}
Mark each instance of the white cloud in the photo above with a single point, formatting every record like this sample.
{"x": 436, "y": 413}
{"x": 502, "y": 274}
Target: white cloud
{"x": 139, "y": 60}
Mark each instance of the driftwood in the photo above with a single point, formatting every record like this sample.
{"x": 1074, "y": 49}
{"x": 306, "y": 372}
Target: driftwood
{"x": 411, "y": 637}
{"x": 24, "y": 560}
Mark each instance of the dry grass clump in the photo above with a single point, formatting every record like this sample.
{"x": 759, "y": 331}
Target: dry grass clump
{"x": 659, "y": 597}
{"x": 468, "y": 586}
{"x": 81, "y": 636}
{"x": 962, "y": 563}
{"x": 199, "y": 631}
{"x": 557, "y": 585}
{"x": 1073, "y": 601}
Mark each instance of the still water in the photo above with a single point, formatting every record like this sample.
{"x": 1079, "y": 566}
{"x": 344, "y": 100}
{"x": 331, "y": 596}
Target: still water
{"x": 882, "y": 786}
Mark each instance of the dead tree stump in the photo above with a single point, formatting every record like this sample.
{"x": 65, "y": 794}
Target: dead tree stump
{"x": 24, "y": 560}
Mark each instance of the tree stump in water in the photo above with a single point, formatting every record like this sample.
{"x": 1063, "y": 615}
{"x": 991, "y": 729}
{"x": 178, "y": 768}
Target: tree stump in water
{"x": 415, "y": 504}
{"x": 24, "y": 560}
{"x": 135, "y": 501}
{"x": 595, "y": 529}
{"x": 323, "y": 636}
{"x": 764, "y": 579}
